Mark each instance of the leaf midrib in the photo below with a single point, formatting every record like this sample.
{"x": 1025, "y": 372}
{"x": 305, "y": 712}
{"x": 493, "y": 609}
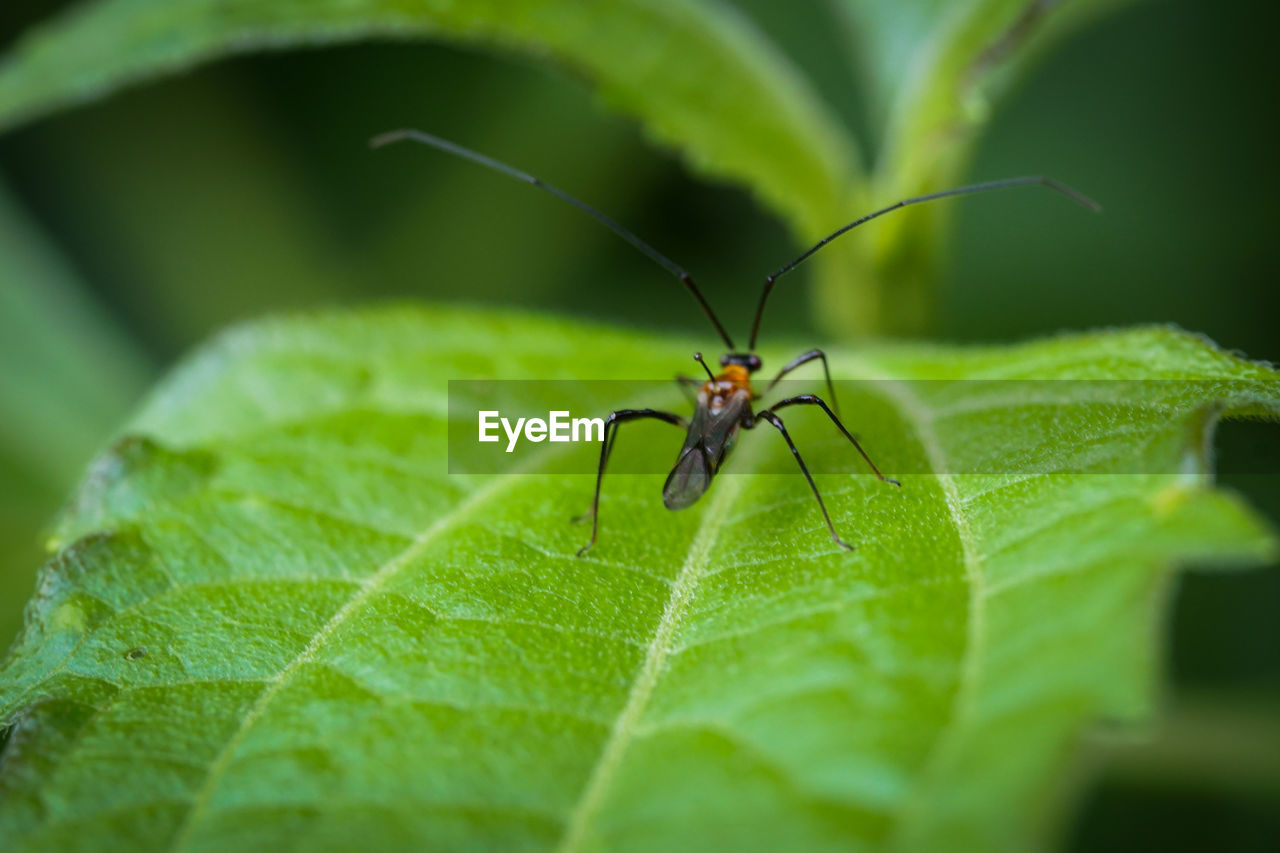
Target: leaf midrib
{"x": 945, "y": 744}
{"x": 659, "y": 649}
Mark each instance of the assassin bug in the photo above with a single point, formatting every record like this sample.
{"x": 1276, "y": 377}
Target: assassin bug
{"x": 723, "y": 403}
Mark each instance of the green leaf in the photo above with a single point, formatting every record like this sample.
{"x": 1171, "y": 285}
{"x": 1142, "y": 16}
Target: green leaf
{"x": 275, "y": 619}
{"x": 696, "y": 74}
{"x": 932, "y": 71}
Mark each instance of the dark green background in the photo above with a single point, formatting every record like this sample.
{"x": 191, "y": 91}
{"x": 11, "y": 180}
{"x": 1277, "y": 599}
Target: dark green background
{"x": 246, "y": 187}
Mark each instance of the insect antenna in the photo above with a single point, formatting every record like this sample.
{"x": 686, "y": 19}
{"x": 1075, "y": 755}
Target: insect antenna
{"x": 1007, "y": 183}
{"x": 476, "y": 157}
{"x": 697, "y": 356}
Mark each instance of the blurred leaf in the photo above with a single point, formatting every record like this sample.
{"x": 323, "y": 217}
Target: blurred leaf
{"x": 933, "y": 69}
{"x": 1216, "y": 743}
{"x": 697, "y": 74}
{"x": 277, "y": 620}
{"x": 191, "y": 247}
{"x": 68, "y": 379}
{"x": 74, "y": 374}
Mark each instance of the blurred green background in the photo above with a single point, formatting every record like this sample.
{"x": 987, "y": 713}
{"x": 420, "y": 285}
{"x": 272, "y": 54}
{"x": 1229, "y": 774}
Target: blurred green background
{"x": 163, "y": 213}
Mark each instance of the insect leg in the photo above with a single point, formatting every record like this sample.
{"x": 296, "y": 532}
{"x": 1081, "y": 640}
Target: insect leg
{"x": 776, "y": 421}
{"x": 812, "y": 400}
{"x": 611, "y": 424}
{"x": 811, "y": 355}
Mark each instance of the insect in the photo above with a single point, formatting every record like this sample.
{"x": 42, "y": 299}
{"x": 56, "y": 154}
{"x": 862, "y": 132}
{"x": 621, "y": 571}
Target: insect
{"x": 724, "y": 401}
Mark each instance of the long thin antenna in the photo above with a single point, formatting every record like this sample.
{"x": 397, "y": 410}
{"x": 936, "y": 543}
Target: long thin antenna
{"x": 697, "y": 356}
{"x": 475, "y": 157}
{"x": 1007, "y": 183}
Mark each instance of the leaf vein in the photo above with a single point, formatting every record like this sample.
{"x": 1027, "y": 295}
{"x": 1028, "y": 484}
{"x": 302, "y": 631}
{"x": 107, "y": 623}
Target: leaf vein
{"x": 380, "y": 578}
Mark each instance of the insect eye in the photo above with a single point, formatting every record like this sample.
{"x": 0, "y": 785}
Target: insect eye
{"x": 754, "y": 363}
{"x": 724, "y": 360}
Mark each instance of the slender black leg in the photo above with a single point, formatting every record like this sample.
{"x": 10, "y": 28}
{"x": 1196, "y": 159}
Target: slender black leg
{"x": 611, "y": 424}
{"x": 769, "y": 416}
{"x": 811, "y": 355}
{"x": 811, "y": 400}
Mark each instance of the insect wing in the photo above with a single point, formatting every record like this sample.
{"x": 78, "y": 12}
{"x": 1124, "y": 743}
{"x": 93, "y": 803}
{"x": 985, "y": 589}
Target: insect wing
{"x": 688, "y": 479}
{"x": 711, "y": 436}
